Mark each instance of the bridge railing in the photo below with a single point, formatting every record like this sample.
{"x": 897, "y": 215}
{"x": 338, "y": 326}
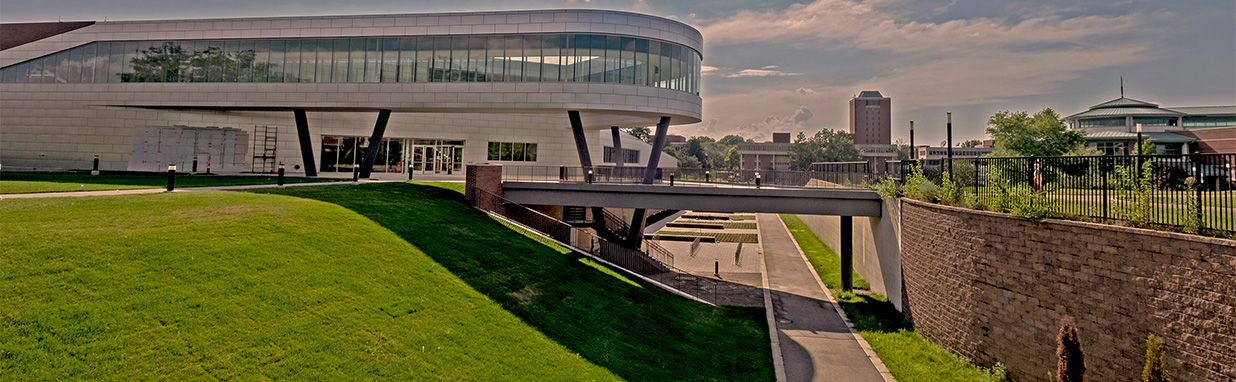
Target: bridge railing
{"x": 687, "y": 177}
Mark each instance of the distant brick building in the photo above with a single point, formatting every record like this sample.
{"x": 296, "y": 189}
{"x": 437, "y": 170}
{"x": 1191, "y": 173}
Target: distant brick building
{"x": 773, "y": 155}
{"x": 871, "y": 118}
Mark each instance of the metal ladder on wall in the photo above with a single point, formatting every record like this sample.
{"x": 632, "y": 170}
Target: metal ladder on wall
{"x": 265, "y": 142}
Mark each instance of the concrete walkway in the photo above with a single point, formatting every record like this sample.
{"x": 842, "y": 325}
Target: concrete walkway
{"x": 815, "y": 342}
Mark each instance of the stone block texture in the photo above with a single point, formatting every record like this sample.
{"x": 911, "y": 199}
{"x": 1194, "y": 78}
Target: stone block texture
{"x": 993, "y": 288}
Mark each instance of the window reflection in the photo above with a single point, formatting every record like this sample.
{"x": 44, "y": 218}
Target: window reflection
{"x": 497, "y": 58}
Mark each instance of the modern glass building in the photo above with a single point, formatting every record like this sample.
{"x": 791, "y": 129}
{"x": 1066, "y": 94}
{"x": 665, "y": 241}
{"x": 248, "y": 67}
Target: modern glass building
{"x": 425, "y": 92}
{"x": 1112, "y": 127}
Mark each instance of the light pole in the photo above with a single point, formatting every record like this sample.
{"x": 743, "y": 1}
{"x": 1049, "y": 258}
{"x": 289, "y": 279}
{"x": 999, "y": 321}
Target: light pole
{"x": 950, "y": 146}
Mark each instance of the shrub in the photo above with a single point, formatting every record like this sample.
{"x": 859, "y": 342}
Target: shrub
{"x": 950, "y": 193}
{"x": 1155, "y": 370}
{"x": 1071, "y": 366}
{"x": 918, "y": 187}
{"x": 887, "y": 188}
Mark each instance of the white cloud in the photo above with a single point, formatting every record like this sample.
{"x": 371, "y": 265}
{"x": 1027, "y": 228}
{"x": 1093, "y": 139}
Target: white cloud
{"x": 806, "y": 91}
{"x": 706, "y": 70}
{"x": 759, "y": 73}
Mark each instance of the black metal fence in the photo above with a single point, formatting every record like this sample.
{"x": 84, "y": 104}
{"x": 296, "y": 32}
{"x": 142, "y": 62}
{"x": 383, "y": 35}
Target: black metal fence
{"x": 688, "y": 177}
{"x": 1189, "y": 192}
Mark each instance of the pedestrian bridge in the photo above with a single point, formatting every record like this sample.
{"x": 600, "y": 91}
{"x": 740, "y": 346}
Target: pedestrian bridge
{"x": 812, "y": 201}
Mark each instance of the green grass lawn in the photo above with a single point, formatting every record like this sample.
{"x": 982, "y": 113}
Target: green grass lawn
{"x": 25, "y": 182}
{"x": 908, "y": 356}
{"x": 377, "y": 281}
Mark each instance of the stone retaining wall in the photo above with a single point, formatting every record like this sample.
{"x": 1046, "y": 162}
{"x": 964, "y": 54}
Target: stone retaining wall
{"x": 993, "y": 288}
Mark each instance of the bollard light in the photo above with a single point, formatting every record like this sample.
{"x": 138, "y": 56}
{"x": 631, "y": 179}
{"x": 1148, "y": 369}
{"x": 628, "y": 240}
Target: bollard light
{"x": 589, "y": 175}
{"x": 171, "y": 177}
{"x": 707, "y": 176}
{"x": 671, "y": 180}
{"x": 409, "y": 172}
{"x": 280, "y": 173}
{"x": 757, "y": 180}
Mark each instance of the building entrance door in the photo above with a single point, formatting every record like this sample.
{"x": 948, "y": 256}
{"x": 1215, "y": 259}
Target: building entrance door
{"x": 433, "y": 156}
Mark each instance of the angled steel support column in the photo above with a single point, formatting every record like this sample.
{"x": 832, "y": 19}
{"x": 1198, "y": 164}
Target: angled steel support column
{"x": 585, "y": 159}
{"x": 650, "y": 174}
{"x": 375, "y": 142}
{"x": 658, "y": 144}
{"x": 306, "y": 145}
{"x": 847, "y": 253}
{"x": 619, "y": 159}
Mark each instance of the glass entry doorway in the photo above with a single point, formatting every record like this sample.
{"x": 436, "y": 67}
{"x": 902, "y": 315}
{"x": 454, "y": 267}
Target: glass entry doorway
{"x": 435, "y": 156}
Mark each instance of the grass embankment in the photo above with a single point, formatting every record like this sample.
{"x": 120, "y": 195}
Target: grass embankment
{"x": 908, "y": 356}
{"x": 25, "y": 182}
{"x": 379, "y": 281}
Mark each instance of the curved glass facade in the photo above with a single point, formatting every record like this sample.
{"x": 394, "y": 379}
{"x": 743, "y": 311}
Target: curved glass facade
{"x": 473, "y": 58}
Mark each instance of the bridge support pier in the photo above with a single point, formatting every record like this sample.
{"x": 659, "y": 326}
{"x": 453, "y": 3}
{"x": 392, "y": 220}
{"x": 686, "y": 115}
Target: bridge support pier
{"x": 847, "y": 253}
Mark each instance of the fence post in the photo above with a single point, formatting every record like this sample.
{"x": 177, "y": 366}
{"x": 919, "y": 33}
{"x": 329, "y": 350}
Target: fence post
{"x": 976, "y": 175}
{"x": 1103, "y": 172}
{"x": 1197, "y": 184}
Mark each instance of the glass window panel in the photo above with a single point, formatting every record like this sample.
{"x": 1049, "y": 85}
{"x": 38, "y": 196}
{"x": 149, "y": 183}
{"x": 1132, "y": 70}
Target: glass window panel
{"x": 627, "y": 64}
{"x": 24, "y": 71}
{"x": 477, "y": 58}
{"x": 459, "y": 59}
{"x": 654, "y": 63}
{"x": 390, "y": 59}
{"x": 613, "y": 58}
{"x": 261, "y": 60}
{"x": 114, "y": 64}
{"x": 579, "y": 49}
{"x": 96, "y": 59}
{"x": 245, "y": 54}
{"x": 71, "y": 71}
{"x": 308, "y": 61}
{"x": 515, "y": 59}
{"x": 40, "y": 70}
{"x": 495, "y": 151}
{"x": 533, "y": 58}
{"x": 407, "y": 59}
{"x": 325, "y": 61}
{"x": 291, "y": 61}
{"x": 518, "y": 153}
{"x": 192, "y": 71}
{"x": 508, "y": 151}
{"x": 373, "y": 60}
{"x": 227, "y": 61}
{"x": 530, "y": 152}
{"x": 340, "y": 51}
{"x": 278, "y": 49}
{"x": 214, "y": 58}
{"x": 356, "y": 66}
{"x": 8, "y": 75}
{"x": 666, "y": 68}
{"x": 441, "y": 59}
{"x": 596, "y": 71}
{"x": 551, "y": 51}
{"x": 330, "y": 153}
{"x": 424, "y": 59}
{"x": 496, "y": 67}
{"x": 126, "y": 61}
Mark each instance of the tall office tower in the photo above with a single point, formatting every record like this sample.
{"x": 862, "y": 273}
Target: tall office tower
{"x": 871, "y": 118}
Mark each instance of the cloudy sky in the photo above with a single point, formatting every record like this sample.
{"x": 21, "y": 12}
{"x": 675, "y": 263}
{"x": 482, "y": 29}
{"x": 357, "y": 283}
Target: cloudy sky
{"x": 776, "y": 65}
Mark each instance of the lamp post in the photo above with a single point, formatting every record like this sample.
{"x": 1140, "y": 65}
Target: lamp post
{"x": 1139, "y": 151}
{"x": 950, "y": 146}
{"x": 171, "y": 177}
{"x": 912, "y": 149}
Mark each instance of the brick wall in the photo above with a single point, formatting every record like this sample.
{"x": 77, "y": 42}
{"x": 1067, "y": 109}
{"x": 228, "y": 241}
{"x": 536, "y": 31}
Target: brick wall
{"x": 993, "y": 288}
{"x": 487, "y": 178}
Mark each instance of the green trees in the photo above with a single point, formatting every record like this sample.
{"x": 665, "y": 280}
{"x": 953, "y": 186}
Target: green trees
{"x": 1156, "y": 368}
{"x": 1043, "y": 134}
{"x": 825, "y": 146}
{"x": 640, "y": 132}
{"x": 706, "y": 152}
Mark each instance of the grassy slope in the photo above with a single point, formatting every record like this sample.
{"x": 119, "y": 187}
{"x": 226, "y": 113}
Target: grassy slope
{"x": 639, "y": 332}
{"x": 39, "y": 181}
{"x": 207, "y": 285}
{"x": 908, "y": 355}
